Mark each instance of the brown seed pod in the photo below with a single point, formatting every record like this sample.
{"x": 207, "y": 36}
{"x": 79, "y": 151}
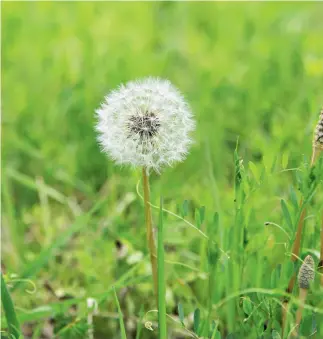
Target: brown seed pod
{"x": 318, "y": 133}
{"x": 306, "y": 273}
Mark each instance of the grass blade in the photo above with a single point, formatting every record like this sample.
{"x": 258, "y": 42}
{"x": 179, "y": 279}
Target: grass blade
{"x": 122, "y": 327}
{"x": 139, "y": 326}
{"x": 12, "y": 218}
{"x": 9, "y": 310}
{"x": 196, "y": 320}
{"x": 181, "y": 313}
{"x": 47, "y": 253}
{"x": 161, "y": 278}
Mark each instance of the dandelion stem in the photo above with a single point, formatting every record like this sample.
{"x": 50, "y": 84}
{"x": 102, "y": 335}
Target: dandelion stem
{"x": 149, "y": 229}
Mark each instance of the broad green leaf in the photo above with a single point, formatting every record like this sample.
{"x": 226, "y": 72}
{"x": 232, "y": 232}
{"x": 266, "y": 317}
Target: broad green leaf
{"x": 247, "y": 306}
{"x": 306, "y": 328}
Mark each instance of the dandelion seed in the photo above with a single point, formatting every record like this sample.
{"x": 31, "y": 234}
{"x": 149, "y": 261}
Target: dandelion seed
{"x": 145, "y": 123}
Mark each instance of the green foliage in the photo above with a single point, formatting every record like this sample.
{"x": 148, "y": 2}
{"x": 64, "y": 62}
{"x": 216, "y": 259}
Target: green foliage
{"x": 9, "y": 310}
{"x": 72, "y": 219}
{"x": 121, "y": 322}
{"x": 181, "y": 313}
{"x": 197, "y": 315}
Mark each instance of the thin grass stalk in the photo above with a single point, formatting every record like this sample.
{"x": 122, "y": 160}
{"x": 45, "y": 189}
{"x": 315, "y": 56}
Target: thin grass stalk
{"x": 162, "y": 333}
{"x": 320, "y": 264}
{"x": 9, "y": 311}
{"x": 210, "y": 296}
{"x": 302, "y": 299}
{"x": 17, "y": 246}
{"x": 297, "y": 242}
{"x": 318, "y": 148}
{"x": 149, "y": 229}
{"x": 298, "y": 238}
{"x": 297, "y": 247}
{"x": 121, "y": 322}
{"x": 91, "y": 309}
{"x": 285, "y": 310}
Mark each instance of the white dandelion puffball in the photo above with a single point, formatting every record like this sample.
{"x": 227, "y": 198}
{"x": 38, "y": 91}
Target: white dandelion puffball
{"x": 145, "y": 123}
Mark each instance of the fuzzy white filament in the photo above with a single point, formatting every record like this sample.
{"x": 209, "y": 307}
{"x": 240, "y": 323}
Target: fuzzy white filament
{"x": 145, "y": 123}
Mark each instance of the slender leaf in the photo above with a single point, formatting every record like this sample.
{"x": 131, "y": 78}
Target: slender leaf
{"x": 286, "y": 214}
{"x": 139, "y": 326}
{"x": 11, "y": 215}
{"x": 9, "y": 310}
{"x": 202, "y": 214}
{"x": 198, "y": 218}
{"x": 285, "y": 159}
{"x": 181, "y": 313}
{"x": 121, "y": 322}
{"x": 196, "y": 320}
{"x": 185, "y": 208}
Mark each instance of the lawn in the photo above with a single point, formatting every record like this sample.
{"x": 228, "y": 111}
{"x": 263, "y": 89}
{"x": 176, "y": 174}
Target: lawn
{"x": 73, "y": 222}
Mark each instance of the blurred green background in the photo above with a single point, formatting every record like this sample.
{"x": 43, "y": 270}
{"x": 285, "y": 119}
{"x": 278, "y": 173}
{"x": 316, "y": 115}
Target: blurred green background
{"x": 250, "y": 71}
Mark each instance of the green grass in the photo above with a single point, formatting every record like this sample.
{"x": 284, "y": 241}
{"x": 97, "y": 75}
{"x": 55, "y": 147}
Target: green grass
{"x": 72, "y": 221}
{"x": 121, "y": 322}
{"x": 9, "y": 311}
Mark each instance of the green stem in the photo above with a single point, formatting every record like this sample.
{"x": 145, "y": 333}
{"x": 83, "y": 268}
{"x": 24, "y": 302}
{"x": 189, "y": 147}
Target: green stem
{"x": 9, "y": 310}
{"x": 149, "y": 229}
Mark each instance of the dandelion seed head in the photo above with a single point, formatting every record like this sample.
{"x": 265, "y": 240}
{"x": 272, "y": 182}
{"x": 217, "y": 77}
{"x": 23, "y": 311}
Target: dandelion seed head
{"x": 306, "y": 273}
{"x": 318, "y": 134}
{"x": 145, "y": 123}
